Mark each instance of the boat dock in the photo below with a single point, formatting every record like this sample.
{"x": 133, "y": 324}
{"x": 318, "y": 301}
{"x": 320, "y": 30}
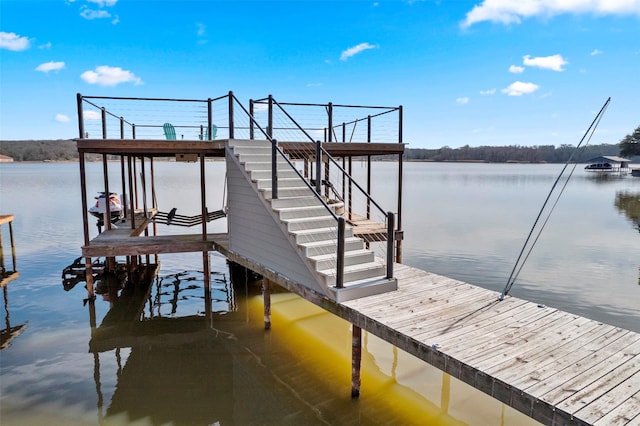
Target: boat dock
{"x": 298, "y": 233}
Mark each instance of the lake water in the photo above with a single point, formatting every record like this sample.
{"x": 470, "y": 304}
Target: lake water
{"x": 466, "y": 221}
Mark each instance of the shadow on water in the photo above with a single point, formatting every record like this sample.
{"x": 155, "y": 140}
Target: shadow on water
{"x": 184, "y": 356}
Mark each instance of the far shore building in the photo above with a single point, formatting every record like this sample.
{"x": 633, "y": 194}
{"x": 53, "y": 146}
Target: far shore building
{"x": 5, "y": 159}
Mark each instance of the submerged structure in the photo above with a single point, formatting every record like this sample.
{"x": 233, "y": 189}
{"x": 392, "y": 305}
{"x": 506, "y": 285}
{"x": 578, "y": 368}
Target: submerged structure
{"x": 296, "y": 216}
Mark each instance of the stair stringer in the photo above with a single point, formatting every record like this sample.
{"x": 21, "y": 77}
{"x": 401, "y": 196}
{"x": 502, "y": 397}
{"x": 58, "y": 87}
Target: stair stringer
{"x": 255, "y": 233}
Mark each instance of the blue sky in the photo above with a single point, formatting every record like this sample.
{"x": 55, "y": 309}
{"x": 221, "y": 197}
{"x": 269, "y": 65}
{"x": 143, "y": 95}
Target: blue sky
{"x": 476, "y": 72}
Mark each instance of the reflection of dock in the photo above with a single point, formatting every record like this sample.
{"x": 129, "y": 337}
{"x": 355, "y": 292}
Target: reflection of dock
{"x": 553, "y": 366}
{"x": 7, "y": 275}
{"x": 9, "y": 332}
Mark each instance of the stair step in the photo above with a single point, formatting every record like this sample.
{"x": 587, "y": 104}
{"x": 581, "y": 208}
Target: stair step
{"x": 260, "y": 158}
{"x": 287, "y": 172}
{"x": 280, "y": 203}
{"x": 301, "y": 212}
{"x": 282, "y": 183}
{"x": 252, "y": 149}
{"x": 251, "y": 166}
{"x": 353, "y": 257}
{"x": 234, "y": 143}
{"x": 287, "y": 192}
{"x": 320, "y": 234}
{"x": 315, "y": 222}
{"x": 364, "y": 288}
{"x": 315, "y": 248}
{"x": 353, "y": 273}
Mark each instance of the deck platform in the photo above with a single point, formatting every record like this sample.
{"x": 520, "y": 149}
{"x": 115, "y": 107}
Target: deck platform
{"x": 554, "y": 366}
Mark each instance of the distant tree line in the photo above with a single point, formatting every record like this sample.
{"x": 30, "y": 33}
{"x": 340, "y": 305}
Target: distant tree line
{"x": 65, "y": 150}
{"x": 513, "y": 153}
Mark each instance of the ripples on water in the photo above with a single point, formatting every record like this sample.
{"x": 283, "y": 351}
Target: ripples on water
{"x": 463, "y": 221}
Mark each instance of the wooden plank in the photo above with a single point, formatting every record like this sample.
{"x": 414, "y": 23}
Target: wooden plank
{"x": 601, "y": 406}
{"x": 555, "y": 334}
{"x": 475, "y": 329}
{"x": 627, "y": 413}
{"x": 567, "y": 382}
{"x": 496, "y": 341}
{"x": 609, "y": 380}
{"x": 6, "y": 218}
{"x": 542, "y": 359}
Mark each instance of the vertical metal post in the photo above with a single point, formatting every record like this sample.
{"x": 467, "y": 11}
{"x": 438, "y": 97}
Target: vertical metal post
{"x": 368, "y": 168}
{"x": 231, "y": 124}
{"x": 107, "y": 194}
{"x": 251, "y": 124}
{"x": 104, "y": 122}
{"x": 266, "y": 295}
{"x": 203, "y": 197}
{"x": 356, "y": 360}
{"x": 390, "y": 243}
{"x": 121, "y": 128}
{"x": 330, "y": 113}
{"x": 133, "y": 131}
{"x": 400, "y": 171}
{"x": 340, "y": 253}
{"x": 124, "y": 187}
{"x": 270, "y": 117}
{"x": 318, "y": 169}
{"x": 80, "y": 115}
{"x": 131, "y": 201}
{"x": 274, "y": 169}
{"x": 210, "y": 118}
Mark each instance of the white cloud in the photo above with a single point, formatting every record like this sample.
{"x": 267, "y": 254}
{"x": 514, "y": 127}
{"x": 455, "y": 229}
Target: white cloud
{"x": 102, "y": 3}
{"x": 596, "y": 52}
{"x": 91, "y": 115}
{"x": 105, "y": 75}
{"x": 201, "y": 29}
{"x": 515, "y": 69}
{"x": 513, "y": 11}
{"x": 463, "y": 101}
{"x": 13, "y": 41}
{"x": 46, "y": 45}
{"x": 62, "y": 118}
{"x": 91, "y": 14}
{"x": 355, "y": 50}
{"x": 488, "y": 92}
{"x": 519, "y": 88}
{"x": 553, "y": 62}
{"x": 50, "y": 66}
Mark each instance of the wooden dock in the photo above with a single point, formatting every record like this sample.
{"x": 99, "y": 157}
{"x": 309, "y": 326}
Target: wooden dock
{"x": 556, "y": 367}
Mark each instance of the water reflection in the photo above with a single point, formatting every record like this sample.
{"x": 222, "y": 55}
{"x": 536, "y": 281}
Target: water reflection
{"x": 9, "y": 333}
{"x": 174, "y": 363}
{"x": 628, "y": 202}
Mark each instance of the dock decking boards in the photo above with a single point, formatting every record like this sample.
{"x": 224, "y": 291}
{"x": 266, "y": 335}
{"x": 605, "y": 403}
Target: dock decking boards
{"x": 554, "y": 366}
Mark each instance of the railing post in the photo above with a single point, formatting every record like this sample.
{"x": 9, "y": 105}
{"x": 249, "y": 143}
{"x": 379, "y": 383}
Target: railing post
{"x": 390, "y": 243}
{"x": 133, "y": 131}
{"x": 80, "y": 116}
{"x": 330, "y": 112}
{"x": 121, "y": 128}
{"x": 318, "y": 170}
{"x": 210, "y": 118}
{"x": 270, "y": 117}
{"x": 104, "y": 123}
{"x": 340, "y": 253}
{"x": 251, "y": 136}
{"x": 274, "y": 169}
{"x": 231, "y": 132}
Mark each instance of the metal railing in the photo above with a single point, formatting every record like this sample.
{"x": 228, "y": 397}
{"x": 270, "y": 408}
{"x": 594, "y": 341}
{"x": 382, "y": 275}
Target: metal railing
{"x": 195, "y": 119}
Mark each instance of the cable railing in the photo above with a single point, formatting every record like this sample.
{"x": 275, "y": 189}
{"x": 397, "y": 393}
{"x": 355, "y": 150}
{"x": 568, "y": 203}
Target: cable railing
{"x": 295, "y": 146}
{"x": 318, "y": 166}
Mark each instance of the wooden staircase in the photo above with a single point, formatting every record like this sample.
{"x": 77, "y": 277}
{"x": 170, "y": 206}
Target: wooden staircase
{"x": 309, "y": 226}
